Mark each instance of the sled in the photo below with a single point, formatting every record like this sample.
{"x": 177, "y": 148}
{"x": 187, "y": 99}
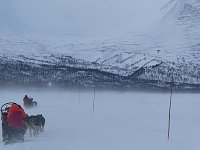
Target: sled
{"x": 15, "y": 136}
{"x": 30, "y": 105}
{"x": 10, "y": 135}
{"x": 4, "y": 107}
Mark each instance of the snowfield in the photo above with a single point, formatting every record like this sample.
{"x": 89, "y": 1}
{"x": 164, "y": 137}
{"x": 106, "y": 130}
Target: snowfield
{"x": 120, "y": 120}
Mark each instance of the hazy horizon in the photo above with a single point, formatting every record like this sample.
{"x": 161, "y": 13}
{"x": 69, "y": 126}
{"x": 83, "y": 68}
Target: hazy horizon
{"x": 78, "y": 16}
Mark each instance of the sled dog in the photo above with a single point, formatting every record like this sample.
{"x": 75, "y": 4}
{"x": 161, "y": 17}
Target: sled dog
{"x": 36, "y": 124}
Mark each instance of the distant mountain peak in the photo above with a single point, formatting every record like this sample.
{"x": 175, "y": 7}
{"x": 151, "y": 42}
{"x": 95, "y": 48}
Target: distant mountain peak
{"x": 175, "y": 8}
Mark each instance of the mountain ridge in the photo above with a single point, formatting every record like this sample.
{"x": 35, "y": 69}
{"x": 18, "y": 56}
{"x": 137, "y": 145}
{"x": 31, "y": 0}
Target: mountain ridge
{"x": 145, "y": 60}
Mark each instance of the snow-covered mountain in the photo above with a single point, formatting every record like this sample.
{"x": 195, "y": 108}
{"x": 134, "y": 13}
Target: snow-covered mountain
{"x": 124, "y": 60}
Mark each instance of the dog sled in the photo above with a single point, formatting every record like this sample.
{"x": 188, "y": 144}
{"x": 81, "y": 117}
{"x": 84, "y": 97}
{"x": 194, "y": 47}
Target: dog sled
{"x": 30, "y": 105}
{"x": 28, "y": 102}
{"x": 10, "y": 135}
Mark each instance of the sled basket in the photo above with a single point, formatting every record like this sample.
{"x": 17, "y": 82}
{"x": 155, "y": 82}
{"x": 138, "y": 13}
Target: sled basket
{"x": 5, "y": 107}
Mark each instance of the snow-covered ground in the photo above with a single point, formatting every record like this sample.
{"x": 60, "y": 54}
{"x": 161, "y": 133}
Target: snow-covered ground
{"x": 120, "y": 121}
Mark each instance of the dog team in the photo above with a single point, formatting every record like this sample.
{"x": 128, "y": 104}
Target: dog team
{"x": 35, "y": 124}
{"x": 15, "y": 122}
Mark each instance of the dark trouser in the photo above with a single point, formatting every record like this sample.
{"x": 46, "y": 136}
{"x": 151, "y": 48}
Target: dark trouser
{"x": 5, "y": 131}
{"x": 8, "y": 133}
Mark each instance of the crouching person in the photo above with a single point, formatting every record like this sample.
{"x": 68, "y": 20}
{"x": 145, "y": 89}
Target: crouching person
{"x": 15, "y": 122}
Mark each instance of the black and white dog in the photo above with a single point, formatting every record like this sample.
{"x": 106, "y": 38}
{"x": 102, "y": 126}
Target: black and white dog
{"x": 41, "y": 121}
{"x": 35, "y": 124}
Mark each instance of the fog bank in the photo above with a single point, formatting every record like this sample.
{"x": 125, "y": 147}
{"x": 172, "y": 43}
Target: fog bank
{"x": 76, "y": 16}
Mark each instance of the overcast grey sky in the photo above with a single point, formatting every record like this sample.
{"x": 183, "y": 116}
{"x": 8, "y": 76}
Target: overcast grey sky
{"x": 77, "y": 15}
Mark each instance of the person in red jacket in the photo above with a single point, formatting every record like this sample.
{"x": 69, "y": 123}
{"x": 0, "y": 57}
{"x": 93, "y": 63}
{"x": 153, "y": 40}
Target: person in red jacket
{"x": 26, "y": 99}
{"x": 16, "y": 116}
{"x": 13, "y": 123}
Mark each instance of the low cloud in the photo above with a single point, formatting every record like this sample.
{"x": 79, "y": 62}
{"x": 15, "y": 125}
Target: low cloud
{"x": 77, "y": 15}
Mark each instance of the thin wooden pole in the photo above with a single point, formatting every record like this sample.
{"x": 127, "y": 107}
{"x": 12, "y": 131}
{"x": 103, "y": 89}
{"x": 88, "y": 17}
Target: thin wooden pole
{"x": 170, "y": 106}
{"x": 93, "y": 102}
{"x": 169, "y": 120}
{"x": 79, "y": 95}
